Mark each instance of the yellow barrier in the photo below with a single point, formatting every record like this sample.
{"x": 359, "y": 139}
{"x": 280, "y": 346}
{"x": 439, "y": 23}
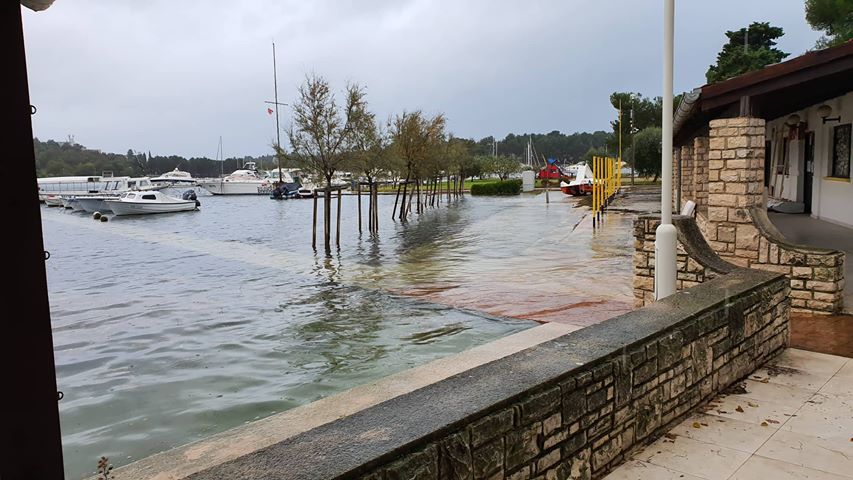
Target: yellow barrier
{"x": 606, "y": 183}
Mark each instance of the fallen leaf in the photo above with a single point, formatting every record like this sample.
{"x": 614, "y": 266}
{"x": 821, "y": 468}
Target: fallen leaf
{"x": 763, "y": 424}
{"x": 703, "y": 424}
{"x": 696, "y": 425}
{"x": 753, "y": 405}
{"x": 739, "y": 409}
{"x": 721, "y": 411}
{"x": 671, "y": 436}
{"x": 771, "y": 421}
{"x": 765, "y": 380}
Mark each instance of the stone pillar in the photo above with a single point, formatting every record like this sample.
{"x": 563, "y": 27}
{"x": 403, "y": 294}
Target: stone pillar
{"x": 676, "y": 178}
{"x": 687, "y": 192}
{"x": 735, "y": 184}
{"x": 700, "y": 171}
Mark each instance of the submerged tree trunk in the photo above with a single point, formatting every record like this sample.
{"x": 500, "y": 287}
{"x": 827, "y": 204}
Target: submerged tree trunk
{"x": 403, "y": 206}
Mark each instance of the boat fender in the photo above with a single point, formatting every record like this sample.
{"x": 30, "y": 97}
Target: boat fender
{"x": 197, "y": 204}
{"x": 96, "y": 215}
{"x": 104, "y": 218}
{"x": 189, "y": 195}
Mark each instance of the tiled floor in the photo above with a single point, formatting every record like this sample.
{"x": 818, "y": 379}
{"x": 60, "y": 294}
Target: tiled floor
{"x": 793, "y": 420}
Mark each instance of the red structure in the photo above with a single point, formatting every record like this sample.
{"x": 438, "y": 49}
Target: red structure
{"x": 551, "y": 171}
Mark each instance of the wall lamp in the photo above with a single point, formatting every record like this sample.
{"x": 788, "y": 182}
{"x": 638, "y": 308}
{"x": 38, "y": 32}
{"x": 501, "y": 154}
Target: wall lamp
{"x": 824, "y": 112}
{"x": 793, "y": 120}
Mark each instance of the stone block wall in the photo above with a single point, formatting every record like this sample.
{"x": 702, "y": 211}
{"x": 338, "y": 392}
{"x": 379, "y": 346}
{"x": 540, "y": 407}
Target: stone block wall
{"x": 700, "y": 172}
{"x": 591, "y": 420}
{"x": 697, "y": 263}
{"x": 738, "y": 229}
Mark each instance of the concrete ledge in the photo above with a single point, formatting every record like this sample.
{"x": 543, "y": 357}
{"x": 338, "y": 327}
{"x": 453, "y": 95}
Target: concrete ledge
{"x": 575, "y": 405}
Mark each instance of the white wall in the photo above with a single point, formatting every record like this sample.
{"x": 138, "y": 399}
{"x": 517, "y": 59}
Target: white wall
{"x": 832, "y": 199}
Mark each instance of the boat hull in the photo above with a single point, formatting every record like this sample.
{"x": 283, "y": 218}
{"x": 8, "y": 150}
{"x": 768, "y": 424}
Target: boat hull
{"x": 237, "y": 188}
{"x": 92, "y": 205}
{"x": 120, "y": 207}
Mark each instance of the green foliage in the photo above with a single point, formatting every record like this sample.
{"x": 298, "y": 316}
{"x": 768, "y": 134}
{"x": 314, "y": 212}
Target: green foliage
{"x": 503, "y": 187}
{"x": 502, "y": 166}
{"x": 648, "y": 152}
{"x": 834, "y": 18}
{"x": 748, "y": 49}
{"x": 565, "y": 148}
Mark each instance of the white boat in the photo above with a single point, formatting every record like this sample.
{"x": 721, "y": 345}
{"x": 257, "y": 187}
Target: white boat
{"x": 138, "y": 203}
{"x": 94, "y": 203}
{"x": 174, "y": 178}
{"x": 95, "y": 185}
{"x": 245, "y": 181}
{"x": 53, "y": 200}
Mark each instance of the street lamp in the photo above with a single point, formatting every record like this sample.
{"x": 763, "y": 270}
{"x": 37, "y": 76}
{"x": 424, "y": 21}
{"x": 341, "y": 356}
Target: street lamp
{"x": 666, "y": 235}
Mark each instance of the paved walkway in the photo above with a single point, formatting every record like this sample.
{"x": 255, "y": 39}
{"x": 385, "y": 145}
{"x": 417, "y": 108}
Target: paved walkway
{"x": 805, "y": 230}
{"x": 790, "y": 420}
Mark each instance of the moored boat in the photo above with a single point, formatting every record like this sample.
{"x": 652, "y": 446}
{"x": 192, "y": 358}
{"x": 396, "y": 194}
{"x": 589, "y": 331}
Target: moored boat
{"x": 245, "y": 181}
{"x": 139, "y": 203}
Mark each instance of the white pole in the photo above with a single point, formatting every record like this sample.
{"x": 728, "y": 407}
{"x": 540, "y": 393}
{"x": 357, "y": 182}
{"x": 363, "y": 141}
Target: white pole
{"x": 666, "y": 235}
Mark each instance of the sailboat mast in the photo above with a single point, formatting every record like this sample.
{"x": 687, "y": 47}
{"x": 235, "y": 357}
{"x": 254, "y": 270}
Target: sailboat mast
{"x": 219, "y": 155}
{"x": 277, "y": 128}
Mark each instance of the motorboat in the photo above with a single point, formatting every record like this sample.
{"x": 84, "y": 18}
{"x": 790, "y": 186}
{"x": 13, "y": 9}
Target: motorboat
{"x": 94, "y": 203}
{"x": 580, "y": 180}
{"x": 245, "y": 181}
{"x": 53, "y": 200}
{"x": 138, "y": 203}
{"x": 175, "y": 178}
{"x": 71, "y": 203}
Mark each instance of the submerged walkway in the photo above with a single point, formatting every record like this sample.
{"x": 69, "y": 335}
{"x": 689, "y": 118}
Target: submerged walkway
{"x": 790, "y": 420}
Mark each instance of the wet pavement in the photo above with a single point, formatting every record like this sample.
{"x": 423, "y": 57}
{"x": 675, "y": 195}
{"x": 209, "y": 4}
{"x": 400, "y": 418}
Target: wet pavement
{"x": 790, "y": 420}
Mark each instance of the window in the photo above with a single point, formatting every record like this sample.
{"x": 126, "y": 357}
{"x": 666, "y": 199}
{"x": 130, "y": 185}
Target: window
{"x": 149, "y": 197}
{"x": 841, "y": 151}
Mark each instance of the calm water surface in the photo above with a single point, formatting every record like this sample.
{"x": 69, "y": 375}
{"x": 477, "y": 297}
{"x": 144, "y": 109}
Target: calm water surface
{"x": 169, "y": 328}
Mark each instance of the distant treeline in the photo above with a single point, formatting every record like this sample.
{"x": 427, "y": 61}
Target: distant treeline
{"x": 55, "y": 159}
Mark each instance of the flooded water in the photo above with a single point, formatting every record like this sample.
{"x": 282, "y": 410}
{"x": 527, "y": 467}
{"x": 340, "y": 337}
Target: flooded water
{"x": 169, "y": 328}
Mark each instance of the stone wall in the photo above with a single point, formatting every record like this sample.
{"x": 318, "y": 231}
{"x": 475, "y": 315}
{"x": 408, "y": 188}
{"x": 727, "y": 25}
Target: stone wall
{"x": 735, "y": 222}
{"x": 697, "y": 262}
{"x": 574, "y": 407}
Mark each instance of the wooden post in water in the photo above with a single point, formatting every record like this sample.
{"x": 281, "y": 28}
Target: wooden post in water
{"x": 338, "y": 228}
{"x": 359, "y": 207}
{"x": 314, "y": 224}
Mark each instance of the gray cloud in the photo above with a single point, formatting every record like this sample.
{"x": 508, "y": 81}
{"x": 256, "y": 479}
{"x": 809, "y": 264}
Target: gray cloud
{"x": 171, "y": 77}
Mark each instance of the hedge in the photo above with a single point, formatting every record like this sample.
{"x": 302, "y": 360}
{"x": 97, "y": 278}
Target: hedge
{"x": 504, "y": 187}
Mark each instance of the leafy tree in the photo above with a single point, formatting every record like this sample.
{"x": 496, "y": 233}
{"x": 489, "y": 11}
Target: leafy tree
{"x": 417, "y": 141}
{"x": 322, "y": 133}
{"x": 648, "y": 152}
{"x": 834, "y": 18}
{"x": 503, "y": 166}
{"x": 748, "y": 49}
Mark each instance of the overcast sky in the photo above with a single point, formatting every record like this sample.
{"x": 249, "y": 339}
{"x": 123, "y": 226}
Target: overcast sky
{"x": 172, "y": 76}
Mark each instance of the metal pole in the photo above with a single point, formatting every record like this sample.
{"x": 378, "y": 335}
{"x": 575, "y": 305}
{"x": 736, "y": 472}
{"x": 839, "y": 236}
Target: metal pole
{"x": 665, "y": 235}
{"x": 277, "y": 128}
{"x": 30, "y": 439}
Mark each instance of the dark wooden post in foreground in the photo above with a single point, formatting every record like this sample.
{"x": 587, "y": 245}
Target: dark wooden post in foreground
{"x": 31, "y": 445}
{"x": 359, "y": 207}
{"x": 314, "y": 224}
{"x": 338, "y": 227}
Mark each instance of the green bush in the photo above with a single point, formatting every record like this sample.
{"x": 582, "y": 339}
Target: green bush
{"x": 504, "y": 187}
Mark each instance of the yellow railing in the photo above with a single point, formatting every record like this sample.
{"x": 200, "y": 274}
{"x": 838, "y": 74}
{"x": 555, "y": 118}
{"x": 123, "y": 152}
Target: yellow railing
{"x": 606, "y": 183}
